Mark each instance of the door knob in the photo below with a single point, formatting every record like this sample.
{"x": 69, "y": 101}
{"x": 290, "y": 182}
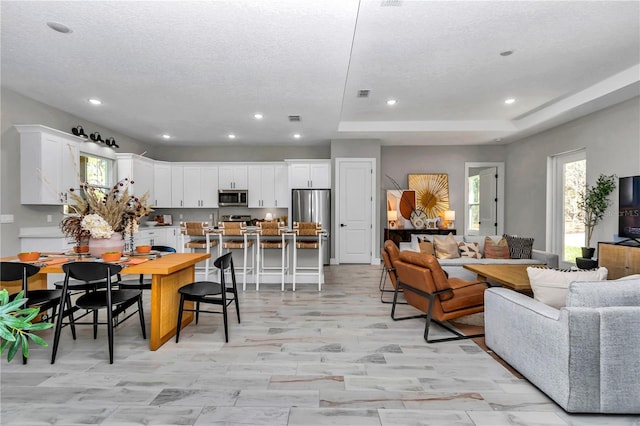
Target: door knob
{"x": 342, "y": 225}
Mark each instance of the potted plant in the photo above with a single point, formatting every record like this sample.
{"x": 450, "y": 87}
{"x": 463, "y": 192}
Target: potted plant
{"x": 16, "y": 327}
{"x": 593, "y": 203}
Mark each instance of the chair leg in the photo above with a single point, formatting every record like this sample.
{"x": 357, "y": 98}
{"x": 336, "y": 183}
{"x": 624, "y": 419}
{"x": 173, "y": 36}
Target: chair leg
{"x": 197, "y": 311}
{"x": 224, "y": 320}
{"x": 395, "y": 302}
{"x": 179, "y": 318}
{"x": 141, "y": 314}
{"x": 72, "y": 324}
{"x": 95, "y": 324}
{"x": 109, "y": 331}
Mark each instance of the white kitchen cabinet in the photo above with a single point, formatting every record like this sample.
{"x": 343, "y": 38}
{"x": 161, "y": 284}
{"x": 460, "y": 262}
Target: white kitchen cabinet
{"x": 162, "y": 184}
{"x": 177, "y": 185}
{"x": 268, "y": 186}
{"x": 200, "y": 186}
{"x": 315, "y": 174}
{"x": 49, "y": 161}
{"x": 138, "y": 170}
{"x": 233, "y": 176}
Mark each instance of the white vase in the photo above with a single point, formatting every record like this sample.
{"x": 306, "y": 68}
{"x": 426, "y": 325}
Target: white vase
{"x": 97, "y": 246}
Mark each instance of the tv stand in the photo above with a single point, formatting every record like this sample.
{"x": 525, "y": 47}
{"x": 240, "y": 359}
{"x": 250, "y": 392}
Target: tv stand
{"x": 620, "y": 260}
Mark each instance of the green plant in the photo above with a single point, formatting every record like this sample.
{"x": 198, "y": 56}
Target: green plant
{"x": 594, "y": 201}
{"x": 16, "y": 326}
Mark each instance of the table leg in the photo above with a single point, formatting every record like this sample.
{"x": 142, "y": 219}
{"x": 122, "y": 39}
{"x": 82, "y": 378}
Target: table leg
{"x": 164, "y": 305}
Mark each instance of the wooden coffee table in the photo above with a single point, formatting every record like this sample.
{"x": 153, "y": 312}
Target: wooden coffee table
{"x": 512, "y": 276}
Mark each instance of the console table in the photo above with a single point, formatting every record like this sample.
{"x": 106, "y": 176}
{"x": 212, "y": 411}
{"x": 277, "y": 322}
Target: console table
{"x": 620, "y": 259}
{"x": 404, "y": 235}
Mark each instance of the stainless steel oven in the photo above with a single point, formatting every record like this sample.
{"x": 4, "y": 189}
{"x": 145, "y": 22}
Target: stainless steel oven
{"x": 232, "y": 197}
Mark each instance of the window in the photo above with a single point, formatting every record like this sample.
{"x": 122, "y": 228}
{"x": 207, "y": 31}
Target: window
{"x": 97, "y": 171}
{"x": 474, "y": 203}
{"x": 567, "y": 229}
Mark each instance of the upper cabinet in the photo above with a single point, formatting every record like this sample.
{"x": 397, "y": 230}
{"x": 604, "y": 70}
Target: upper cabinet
{"x": 200, "y": 186}
{"x": 233, "y": 176}
{"x": 139, "y": 170}
{"x": 49, "y": 162}
{"x": 177, "y": 185}
{"x": 162, "y": 184}
{"x": 268, "y": 186}
{"x": 310, "y": 174}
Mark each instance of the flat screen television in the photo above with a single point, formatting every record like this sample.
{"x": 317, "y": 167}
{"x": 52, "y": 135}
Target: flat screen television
{"x": 629, "y": 205}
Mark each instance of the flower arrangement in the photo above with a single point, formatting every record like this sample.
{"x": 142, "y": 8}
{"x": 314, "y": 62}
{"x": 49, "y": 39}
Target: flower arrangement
{"x": 99, "y": 215}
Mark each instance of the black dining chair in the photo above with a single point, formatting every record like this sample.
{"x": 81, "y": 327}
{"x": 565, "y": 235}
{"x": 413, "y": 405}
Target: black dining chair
{"x": 42, "y": 298}
{"x": 115, "y": 302}
{"x": 143, "y": 283}
{"x": 212, "y": 293}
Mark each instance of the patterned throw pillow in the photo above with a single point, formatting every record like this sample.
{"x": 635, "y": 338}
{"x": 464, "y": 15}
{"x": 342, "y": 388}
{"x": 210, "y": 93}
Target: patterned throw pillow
{"x": 446, "y": 247}
{"x": 550, "y": 286}
{"x": 519, "y": 247}
{"x": 469, "y": 250}
{"x": 496, "y": 250}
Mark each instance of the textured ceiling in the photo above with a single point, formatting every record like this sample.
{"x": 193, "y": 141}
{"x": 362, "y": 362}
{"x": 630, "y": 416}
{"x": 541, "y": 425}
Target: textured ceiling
{"x": 200, "y": 70}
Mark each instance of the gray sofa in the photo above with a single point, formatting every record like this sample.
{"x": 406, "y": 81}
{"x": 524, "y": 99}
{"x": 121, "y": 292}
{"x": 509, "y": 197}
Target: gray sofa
{"x": 455, "y": 267}
{"x": 583, "y": 356}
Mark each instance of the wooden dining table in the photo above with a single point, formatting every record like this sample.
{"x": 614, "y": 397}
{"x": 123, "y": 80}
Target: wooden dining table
{"x": 168, "y": 273}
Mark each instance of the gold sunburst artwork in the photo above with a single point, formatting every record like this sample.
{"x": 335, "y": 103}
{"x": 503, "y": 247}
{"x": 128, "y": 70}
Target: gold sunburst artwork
{"x": 432, "y": 193}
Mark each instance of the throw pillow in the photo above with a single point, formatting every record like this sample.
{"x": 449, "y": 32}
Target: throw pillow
{"x": 519, "y": 247}
{"x": 550, "y": 285}
{"x": 469, "y": 250}
{"x": 496, "y": 250}
{"x": 426, "y": 247}
{"x": 446, "y": 247}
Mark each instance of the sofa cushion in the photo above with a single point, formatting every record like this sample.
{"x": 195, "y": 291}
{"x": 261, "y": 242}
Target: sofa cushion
{"x": 550, "y": 285}
{"x": 446, "y": 247}
{"x": 519, "y": 247}
{"x": 471, "y": 250}
{"x": 426, "y": 247}
{"x": 624, "y": 291}
{"x": 496, "y": 250}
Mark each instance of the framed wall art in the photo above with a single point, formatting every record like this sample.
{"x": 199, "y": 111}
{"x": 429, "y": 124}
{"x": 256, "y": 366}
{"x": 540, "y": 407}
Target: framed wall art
{"x": 432, "y": 193}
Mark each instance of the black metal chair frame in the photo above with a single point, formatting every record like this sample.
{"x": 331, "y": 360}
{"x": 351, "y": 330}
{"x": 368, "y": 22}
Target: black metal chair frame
{"x": 43, "y": 299}
{"x": 212, "y": 293}
{"x": 141, "y": 283}
{"x": 383, "y": 282}
{"x": 114, "y": 301}
{"x": 431, "y": 298}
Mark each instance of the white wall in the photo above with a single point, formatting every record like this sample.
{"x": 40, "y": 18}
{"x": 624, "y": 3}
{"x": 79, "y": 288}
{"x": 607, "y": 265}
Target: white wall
{"x": 611, "y": 138}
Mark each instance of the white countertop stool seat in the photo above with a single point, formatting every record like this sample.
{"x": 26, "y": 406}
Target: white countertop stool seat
{"x": 199, "y": 238}
{"x": 228, "y": 233}
{"x": 271, "y": 236}
{"x": 308, "y": 236}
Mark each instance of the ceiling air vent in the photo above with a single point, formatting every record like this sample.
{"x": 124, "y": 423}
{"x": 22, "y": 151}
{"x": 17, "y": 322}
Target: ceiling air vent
{"x": 363, "y": 93}
{"x": 294, "y": 118}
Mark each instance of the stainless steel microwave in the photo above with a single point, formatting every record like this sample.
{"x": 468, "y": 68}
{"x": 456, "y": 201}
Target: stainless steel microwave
{"x": 232, "y": 197}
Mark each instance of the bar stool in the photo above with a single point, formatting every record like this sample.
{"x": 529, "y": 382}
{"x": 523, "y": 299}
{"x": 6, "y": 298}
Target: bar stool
{"x": 238, "y": 229}
{"x": 311, "y": 234}
{"x": 199, "y": 235}
{"x": 271, "y": 230}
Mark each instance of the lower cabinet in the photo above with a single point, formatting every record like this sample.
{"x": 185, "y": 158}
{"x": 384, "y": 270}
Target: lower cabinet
{"x": 620, "y": 260}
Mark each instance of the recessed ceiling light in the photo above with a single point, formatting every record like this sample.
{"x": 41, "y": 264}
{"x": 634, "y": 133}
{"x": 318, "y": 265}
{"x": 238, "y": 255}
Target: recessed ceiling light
{"x": 61, "y": 28}
{"x": 498, "y": 140}
{"x": 509, "y": 101}
{"x": 231, "y": 136}
{"x": 391, "y": 102}
{"x": 94, "y": 101}
{"x": 297, "y": 135}
{"x": 258, "y": 116}
{"x": 166, "y": 136}
{"x": 506, "y": 53}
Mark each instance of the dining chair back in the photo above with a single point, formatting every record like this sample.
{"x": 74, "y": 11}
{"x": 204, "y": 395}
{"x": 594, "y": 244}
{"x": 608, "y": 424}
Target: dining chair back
{"x": 215, "y": 293}
{"x": 115, "y": 302}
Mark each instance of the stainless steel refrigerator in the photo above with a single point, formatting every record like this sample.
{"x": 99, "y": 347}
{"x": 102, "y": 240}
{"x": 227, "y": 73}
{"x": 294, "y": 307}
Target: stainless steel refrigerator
{"x": 314, "y": 205}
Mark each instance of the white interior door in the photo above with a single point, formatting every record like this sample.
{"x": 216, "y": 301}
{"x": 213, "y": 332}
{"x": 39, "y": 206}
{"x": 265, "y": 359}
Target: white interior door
{"x": 488, "y": 201}
{"x": 355, "y": 210}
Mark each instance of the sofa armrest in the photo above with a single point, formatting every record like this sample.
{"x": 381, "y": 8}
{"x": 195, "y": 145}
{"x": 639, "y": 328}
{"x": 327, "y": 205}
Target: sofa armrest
{"x": 550, "y": 259}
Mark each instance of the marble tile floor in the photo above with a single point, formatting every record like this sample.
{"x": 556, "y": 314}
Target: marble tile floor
{"x": 303, "y": 358}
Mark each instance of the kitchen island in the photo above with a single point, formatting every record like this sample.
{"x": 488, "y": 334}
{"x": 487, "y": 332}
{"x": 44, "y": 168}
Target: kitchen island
{"x": 168, "y": 274}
